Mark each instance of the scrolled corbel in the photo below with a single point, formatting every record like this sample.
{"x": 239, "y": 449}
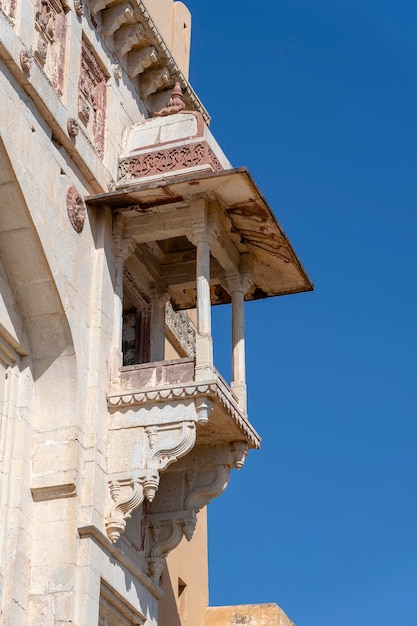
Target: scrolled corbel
{"x": 170, "y": 448}
{"x": 127, "y": 495}
{"x": 165, "y": 534}
{"x": 202, "y": 492}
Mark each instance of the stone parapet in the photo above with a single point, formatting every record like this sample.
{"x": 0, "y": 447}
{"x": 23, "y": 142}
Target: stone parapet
{"x": 250, "y": 614}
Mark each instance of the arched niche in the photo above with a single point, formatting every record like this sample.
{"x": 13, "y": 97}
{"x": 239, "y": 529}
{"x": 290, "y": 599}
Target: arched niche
{"x": 49, "y": 341}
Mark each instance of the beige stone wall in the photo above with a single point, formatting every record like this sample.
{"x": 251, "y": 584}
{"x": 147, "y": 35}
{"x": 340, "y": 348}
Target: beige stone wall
{"x": 249, "y": 614}
{"x": 185, "y": 580}
{"x": 173, "y": 20}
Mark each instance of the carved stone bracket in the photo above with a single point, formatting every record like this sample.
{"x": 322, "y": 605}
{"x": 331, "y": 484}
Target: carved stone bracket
{"x": 163, "y": 444}
{"x": 127, "y": 495}
{"x": 153, "y": 80}
{"x": 26, "y": 60}
{"x": 139, "y": 60}
{"x": 164, "y": 448}
{"x": 184, "y": 491}
{"x": 127, "y": 37}
{"x": 165, "y": 533}
{"x": 115, "y": 17}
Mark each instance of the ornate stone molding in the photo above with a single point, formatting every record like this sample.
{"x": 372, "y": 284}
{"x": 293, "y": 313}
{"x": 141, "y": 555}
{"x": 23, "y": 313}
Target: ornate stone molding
{"x": 162, "y": 445}
{"x": 50, "y": 39}
{"x": 181, "y": 326}
{"x": 127, "y": 494}
{"x": 92, "y": 95}
{"x": 215, "y": 390}
{"x": 168, "y": 160}
{"x": 76, "y": 209}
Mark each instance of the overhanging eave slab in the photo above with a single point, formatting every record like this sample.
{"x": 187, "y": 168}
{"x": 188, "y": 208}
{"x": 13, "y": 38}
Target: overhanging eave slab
{"x": 276, "y": 267}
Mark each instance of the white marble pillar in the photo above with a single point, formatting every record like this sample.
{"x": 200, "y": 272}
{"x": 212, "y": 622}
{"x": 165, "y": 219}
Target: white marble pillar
{"x": 201, "y": 238}
{"x": 158, "y": 299}
{"x": 238, "y": 340}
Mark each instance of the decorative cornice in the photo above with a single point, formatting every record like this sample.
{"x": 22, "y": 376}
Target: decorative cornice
{"x": 213, "y": 389}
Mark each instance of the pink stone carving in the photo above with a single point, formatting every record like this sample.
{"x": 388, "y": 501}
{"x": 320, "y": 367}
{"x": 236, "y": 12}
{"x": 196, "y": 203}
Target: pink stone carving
{"x": 8, "y": 7}
{"x": 175, "y": 103}
{"x": 168, "y": 160}
{"x": 50, "y": 37}
{"x": 26, "y": 60}
{"x": 76, "y": 209}
{"x": 72, "y": 127}
{"x": 92, "y": 97}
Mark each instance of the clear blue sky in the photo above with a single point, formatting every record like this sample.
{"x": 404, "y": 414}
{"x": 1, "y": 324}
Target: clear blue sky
{"x": 319, "y": 99}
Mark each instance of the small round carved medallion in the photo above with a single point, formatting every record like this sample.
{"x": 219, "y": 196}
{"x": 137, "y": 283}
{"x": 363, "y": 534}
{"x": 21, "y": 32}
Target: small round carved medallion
{"x": 76, "y": 209}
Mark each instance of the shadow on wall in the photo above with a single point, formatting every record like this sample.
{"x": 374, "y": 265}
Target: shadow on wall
{"x": 168, "y": 611}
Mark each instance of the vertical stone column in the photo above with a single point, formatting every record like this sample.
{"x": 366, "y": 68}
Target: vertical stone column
{"x": 121, "y": 248}
{"x": 238, "y": 384}
{"x": 158, "y": 299}
{"x": 202, "y": 236}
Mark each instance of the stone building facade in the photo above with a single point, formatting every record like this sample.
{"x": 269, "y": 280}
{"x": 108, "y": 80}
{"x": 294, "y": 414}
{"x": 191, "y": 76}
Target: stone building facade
{"x": 121, "y": 223}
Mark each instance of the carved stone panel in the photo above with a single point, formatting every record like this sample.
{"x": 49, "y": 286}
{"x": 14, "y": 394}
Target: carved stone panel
{"x": 168, "y": 160}
{"x": 50, "y": 36}
{"x": 92, "y": 98}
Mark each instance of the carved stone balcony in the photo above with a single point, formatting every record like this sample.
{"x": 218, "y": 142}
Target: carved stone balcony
{"x": 158, "y": 415}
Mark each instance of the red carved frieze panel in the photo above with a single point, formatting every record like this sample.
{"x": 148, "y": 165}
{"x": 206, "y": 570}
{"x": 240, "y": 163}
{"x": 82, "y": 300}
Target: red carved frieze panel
{"x": 168, "y": 160}
{"x": 92, "y": 98}
{"x": 9, "y": 9}
{"x": 50, "y": 38}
